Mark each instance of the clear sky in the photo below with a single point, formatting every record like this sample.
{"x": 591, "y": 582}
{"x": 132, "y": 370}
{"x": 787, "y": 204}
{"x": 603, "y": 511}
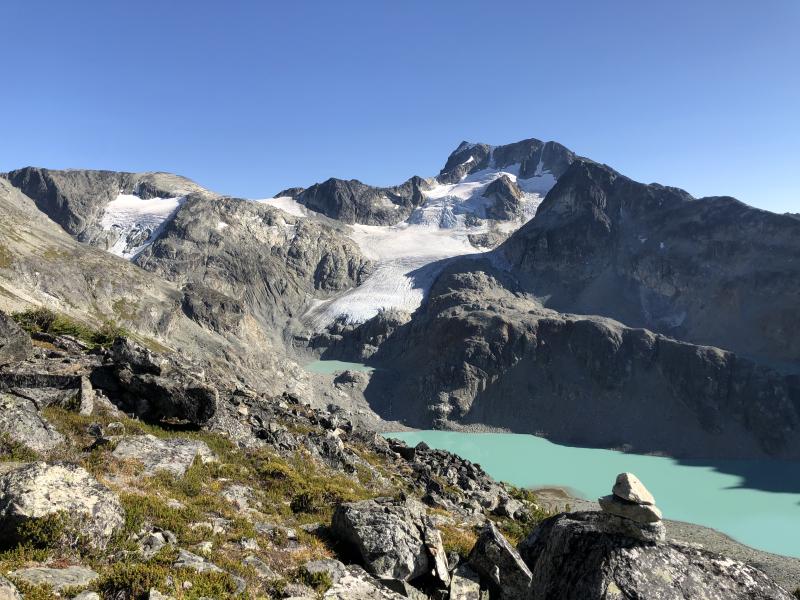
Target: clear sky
{"x": 248, "y": 98}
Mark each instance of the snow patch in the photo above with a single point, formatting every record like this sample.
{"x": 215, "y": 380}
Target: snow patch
{"x": 286, "y": 204}
{"x": 134, "y": 223}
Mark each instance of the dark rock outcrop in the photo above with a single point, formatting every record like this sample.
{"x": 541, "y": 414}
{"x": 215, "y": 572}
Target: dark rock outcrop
{"x": 478, "y": 352}
{"x": 578, "y": 556}
{"x": 533, "y": 156}
{"x": 15, "y": 344}
{"x": 76, "y": 198}
{"x": 652, "y": 256}
{"x": 351, "y": 201}
{"x": 505, "y": 197}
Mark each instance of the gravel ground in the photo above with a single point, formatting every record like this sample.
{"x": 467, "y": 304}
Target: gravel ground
{"x": 784, "y": 570}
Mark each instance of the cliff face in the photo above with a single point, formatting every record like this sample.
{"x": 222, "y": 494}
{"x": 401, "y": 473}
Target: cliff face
{"x": 478, "y": 353}
{"x": 351, "y": 201}
{"x": 76, "y": 199}
{"x": 710, "y": 271}
{"x": 267, "y": 261}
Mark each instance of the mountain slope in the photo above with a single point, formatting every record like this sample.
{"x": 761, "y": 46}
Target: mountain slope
{"x": 710, "y": 271}
{"x": 479, "y": 353}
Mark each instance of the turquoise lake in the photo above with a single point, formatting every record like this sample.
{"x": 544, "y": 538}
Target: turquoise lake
{"x": 329, "y": 367}
{"x": 731, "y": 496}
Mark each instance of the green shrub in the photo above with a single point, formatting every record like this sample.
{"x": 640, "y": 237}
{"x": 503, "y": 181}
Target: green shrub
{"x": 44, "y": 320}
{"x": 319, "y": 581}
{"x": 12, "y": 450}
{"x": 48, "y": 531}
{"x": 135, "y": 578}
{"x": 35, "y": 592}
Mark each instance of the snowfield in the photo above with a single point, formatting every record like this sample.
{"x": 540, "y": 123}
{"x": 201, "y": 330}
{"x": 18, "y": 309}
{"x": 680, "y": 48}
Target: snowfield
{"x": 411, "y": 254}
{"x": 134, "y": 223}
{"x": 408, "y": 256}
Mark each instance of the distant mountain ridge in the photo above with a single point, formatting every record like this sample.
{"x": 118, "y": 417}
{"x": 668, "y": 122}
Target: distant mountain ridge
{"x": 519, "y": 287}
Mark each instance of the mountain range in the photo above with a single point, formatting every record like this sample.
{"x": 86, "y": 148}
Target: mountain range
{"x": 523, "y": 288}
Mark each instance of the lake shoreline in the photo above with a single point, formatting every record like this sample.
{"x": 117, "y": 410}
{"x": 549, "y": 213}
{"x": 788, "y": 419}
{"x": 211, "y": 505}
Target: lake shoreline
{"x": 784, "y": 570}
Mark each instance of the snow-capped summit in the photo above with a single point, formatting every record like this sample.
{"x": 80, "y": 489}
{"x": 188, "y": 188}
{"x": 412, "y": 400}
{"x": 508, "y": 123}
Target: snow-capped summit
{"x": 482, "y": 194}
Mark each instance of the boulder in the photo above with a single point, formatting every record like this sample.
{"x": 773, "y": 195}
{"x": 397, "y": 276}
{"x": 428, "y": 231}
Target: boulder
{"x": 262, "y": 569}
{"x": 356, "y": 584}
{"x": 494, "y": 559}
{"x": 465, "y": 584}
{"x": 573, "y": 556}
{"x": 174, "y": 455}
{"x": 155, "y": 387}
{"x": 641, "y": 513}
{"x": 188, "y": 560}
{"x": 38, "y": 490}
{"x": 15, "y": 344}
{"x": 629, "y": 487}
{"x": 23, "y": 424}
{"x": 389, "y": 535}
{"x": 57, "y": 579}
{"x": 8, "y": 590}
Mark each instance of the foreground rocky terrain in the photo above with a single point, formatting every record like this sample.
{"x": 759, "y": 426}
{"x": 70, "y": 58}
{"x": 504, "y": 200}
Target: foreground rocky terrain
{"x": 126, "y": 473}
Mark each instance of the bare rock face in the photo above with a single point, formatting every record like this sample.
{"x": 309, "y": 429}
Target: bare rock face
{"x": 155, "y": 388}
{"x": 37, "y": 490}
{"x": 252, "y": 258}
{"x": 505, "y": 196}
{"x": 355, "y": 202}
{"x": 575, "y": 556}
{"x": 76, "y": 199}
{"x": 494, "y": 559}
{"x": 173, "y": 455}
{"x": 480, "y": 352}
{"x": 395, "y": 539}
{"x": 21, "y": 422}
{"x": 652, "y": 256}
{"x": 15, "y": 344}
{"x": 533, "y": 157}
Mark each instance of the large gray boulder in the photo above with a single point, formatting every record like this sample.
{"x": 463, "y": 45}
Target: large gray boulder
{"x": 38, "y": 490}
{"x": 8, "y": 590}
{"x": 174, "y": 455}
{"x": 22, "y": 423}
{"x": 15, "y": 344}
{"x": 394, "y": 538}
{"x": 56, "y": 579}
{"x": 574, "y": 556}
{"x": 496, "y": 560}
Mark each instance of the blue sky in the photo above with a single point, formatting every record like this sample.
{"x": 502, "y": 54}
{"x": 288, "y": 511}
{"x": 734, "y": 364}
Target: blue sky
{"x": 248, "y": 98}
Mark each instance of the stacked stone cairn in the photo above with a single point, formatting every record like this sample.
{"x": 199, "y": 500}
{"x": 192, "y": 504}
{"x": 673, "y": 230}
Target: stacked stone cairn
{"x": 632, "y": 501}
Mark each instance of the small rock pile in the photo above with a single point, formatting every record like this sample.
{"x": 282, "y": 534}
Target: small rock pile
{"x": 631, "y": 500}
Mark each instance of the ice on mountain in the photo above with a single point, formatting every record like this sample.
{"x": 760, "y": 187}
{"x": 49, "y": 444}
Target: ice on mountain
{"x": 134, "y": 223}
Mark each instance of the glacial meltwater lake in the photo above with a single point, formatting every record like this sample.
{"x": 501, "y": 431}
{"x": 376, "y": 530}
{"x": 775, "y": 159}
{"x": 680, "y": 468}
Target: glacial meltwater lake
{"x": 756, "y": 502}
{"x": 329, "y": 367}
